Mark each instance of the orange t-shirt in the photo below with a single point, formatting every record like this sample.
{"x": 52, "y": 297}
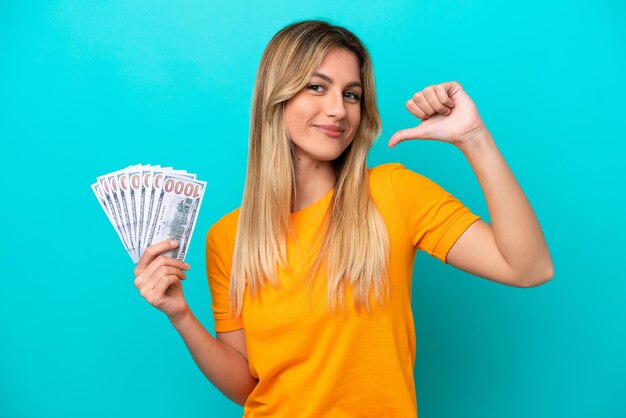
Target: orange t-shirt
{"x": 310, "y": 364}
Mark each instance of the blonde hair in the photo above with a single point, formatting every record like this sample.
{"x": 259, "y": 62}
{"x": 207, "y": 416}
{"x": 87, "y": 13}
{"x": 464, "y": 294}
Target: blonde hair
{"x": 355, "y": 242}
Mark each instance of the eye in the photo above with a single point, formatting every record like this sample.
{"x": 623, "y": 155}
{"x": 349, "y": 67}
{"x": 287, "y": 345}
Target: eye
{"x": 318, "y": 88}
{"x": 354, "y": 96}
{"x": 311, "y": 87}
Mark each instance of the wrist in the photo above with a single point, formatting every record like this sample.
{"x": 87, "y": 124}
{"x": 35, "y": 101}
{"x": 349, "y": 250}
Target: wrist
{"x": 476, "y": 141}
{"x": 179, "y": 320}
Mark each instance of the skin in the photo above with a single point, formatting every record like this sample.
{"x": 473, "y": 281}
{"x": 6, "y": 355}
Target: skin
{"x": 158, "y": 278}
{"x": 512, "y": 250}
{"x": 323, "y": 102}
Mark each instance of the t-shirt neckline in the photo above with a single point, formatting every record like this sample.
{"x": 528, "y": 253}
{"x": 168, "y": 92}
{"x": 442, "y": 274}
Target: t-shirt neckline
{"x": 314, "y": 205}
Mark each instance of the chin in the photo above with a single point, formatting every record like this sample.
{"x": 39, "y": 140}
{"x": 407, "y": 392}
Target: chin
{"x": 323, "y": 150}
{"x": 328, "y": 155}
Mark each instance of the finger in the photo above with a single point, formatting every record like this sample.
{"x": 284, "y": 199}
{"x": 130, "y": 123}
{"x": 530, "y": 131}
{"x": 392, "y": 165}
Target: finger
{"x": 169, "y": 271}
{"x": 403, "y": 135}
{"x": 162, "y": 261}
{"x": 164, "y": 284}
{"x": 159, "y": 262}
{"x": 416, "y": 110}
{"x": 155, "y": 295}
{"x": 451, "y": 87}
{"x": 151, "y": 282}
{"x": 431, "y": 96}
{"x": 421, "y": 101}
{"x": 442, "y": 94}
{"x": 152, "y": 252}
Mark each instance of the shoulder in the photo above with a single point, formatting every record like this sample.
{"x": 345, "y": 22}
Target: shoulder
{"x": 388, "y": 170}
{"x": 385, "y": 168}
{"x": 224, "y": 230}
{"x": 395, "y": 175}
{"x": 393, "y": 185}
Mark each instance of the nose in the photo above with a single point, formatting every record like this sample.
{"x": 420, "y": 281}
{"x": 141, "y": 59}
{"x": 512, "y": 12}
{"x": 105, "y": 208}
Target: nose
{"x": 335, "y": 106}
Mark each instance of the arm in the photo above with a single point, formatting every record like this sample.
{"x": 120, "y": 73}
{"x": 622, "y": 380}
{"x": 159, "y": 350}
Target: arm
{"x": 224, "y": 366}
{"x": 512, "y": 250}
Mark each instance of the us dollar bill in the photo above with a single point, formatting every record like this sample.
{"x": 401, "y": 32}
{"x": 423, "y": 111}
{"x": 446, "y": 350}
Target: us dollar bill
{"x": 134, "y": 188}
{"x": 153, "y": 183}
{"x": 108, "y": 184}
{"x": 103, "y": 203}
{"x": 121, "y": 208}
{"x": 176, "y": 212}
{"x": 125, "y": 180}
{"x": 146, "y": 185}
{"x": 147, "y": 204}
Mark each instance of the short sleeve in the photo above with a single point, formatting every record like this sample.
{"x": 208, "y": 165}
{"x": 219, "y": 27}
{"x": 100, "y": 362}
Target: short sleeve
{"x": 218, "y": 273}
{"x": 435, "y": 218}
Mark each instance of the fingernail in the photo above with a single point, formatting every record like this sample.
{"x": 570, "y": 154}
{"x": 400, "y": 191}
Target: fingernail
{"x": 187, "y": 265}
{"x": 174, "y": 242}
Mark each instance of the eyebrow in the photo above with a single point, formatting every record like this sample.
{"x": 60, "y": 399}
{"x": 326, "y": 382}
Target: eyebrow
{"x": 330, "y": 80}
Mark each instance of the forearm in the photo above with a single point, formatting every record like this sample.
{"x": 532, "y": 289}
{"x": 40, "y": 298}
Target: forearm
{"x": 516, "y": 229}
{"x": 224, "y": 366}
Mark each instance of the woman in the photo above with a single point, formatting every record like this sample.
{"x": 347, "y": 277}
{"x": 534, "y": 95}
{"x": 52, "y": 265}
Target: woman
{"x": 318, "y": 230}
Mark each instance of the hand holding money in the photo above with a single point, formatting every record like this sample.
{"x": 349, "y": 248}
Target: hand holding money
{"x": 158, "y": 279}
{"x": 149, "y": 204}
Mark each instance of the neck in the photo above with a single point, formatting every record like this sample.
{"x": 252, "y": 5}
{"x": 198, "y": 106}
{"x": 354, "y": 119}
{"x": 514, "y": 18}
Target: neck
{"x": 314, "y": 179}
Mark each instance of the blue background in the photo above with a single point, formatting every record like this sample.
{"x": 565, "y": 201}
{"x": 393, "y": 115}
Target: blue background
{"x": 89, "y": 87}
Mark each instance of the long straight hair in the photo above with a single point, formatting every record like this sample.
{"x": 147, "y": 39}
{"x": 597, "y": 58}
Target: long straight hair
{"x": 355, "y": 242}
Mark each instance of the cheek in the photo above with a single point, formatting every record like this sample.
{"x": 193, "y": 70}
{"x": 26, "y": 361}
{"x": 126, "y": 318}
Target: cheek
{"x": 294, "y": 118}
{"x": 290, "y": 122}
{"x": 356, "y": 114}
{"x": 356, "y": 120}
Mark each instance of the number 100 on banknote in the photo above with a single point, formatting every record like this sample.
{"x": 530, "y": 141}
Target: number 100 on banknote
{"x": 147, "y": 204}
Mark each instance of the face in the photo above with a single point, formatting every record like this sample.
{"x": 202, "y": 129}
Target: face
{"x": 323, "y": 117}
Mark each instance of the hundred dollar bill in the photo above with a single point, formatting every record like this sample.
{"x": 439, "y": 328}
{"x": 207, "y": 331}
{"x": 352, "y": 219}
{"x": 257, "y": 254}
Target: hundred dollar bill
{"x": 138, "y": 201}
{"x": 121, "y": 181}
{"x": 146, "y": 185}
{"x": 126, "y": 193}
{"x": 156, "y": 182}
{"x": 121, "y": 208}
{"x": 176, "y": 209}
{"x": 134, "y": 186}
{"x": 153, "y": 182}
{"x": 102, "y": 200}
{"x": 108, "y": 183}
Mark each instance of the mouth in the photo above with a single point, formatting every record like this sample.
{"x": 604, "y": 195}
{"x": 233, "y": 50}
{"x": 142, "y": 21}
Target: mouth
{"x": 330, "y": 130}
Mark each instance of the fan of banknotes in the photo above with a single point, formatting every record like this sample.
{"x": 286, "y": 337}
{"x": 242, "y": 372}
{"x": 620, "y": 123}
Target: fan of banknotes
{"x": 147, "y": 204}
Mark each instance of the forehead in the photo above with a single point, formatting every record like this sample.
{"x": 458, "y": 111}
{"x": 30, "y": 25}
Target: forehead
{"x": 340, "y": 64}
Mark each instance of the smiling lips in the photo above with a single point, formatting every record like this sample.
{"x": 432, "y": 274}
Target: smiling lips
{"x": 330, "y": 130}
